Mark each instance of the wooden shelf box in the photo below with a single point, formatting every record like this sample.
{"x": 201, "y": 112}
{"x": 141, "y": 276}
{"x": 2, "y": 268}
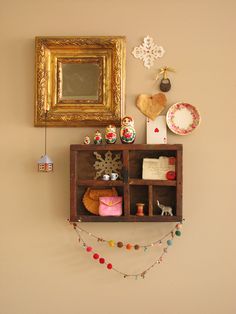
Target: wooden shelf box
{"x": 132, "y": 187}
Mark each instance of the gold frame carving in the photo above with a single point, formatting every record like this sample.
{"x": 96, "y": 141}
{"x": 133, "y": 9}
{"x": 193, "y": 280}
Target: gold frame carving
{"x": 106, "y": 51}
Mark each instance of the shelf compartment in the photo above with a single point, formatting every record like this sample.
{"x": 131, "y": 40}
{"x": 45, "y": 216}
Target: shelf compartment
{"x": 82, "y": 211}
{"x": 139, "y": 194}
{"x": 134, "y": 181}
{"x": 166, "y": 196}
{"x": 86, "y": 160}
{"x": 136, "y": 159}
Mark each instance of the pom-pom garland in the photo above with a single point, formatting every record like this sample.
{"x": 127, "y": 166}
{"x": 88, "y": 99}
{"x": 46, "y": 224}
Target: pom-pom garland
{"x": 96, "y": 256}
{"x": 128, "y": 246}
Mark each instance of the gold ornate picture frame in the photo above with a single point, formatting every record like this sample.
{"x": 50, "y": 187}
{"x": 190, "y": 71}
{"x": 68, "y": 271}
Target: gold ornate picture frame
{"x": 80, "y": 81}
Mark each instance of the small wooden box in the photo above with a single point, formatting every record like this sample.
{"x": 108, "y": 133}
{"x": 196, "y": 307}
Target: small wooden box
{"x": 131, "y": 187}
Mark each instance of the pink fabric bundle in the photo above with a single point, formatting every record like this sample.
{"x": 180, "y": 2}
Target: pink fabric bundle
{"x": 110, "y": 206}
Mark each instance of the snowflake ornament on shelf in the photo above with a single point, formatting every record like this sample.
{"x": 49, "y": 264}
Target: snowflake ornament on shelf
{"x": 107, "y": 164}
{"x": 148, "y": 52}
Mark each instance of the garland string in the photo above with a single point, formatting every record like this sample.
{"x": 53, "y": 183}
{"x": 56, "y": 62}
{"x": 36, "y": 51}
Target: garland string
{"x": 113, "y": 243}
{"x": 174, "y": 232}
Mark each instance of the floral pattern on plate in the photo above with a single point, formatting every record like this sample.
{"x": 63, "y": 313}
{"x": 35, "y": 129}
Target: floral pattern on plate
{"x": 182, "y": 118}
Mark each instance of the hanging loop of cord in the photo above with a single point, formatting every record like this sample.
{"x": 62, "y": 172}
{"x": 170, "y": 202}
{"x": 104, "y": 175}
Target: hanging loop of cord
{"x": 45, "y": 131}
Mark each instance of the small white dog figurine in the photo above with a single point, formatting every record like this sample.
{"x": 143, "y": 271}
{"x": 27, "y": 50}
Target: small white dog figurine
{"x": 165, "y": 210}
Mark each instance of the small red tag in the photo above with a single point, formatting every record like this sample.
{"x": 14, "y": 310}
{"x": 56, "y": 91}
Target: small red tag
{"x": 156, "y": 130}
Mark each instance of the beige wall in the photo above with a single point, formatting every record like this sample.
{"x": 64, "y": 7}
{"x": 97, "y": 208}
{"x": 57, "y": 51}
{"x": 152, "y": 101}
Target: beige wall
{"x": 43, "y": 269}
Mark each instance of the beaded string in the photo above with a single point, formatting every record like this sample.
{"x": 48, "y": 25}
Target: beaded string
{"x": 109, "y": 266}
{"x": 119, "y": 244}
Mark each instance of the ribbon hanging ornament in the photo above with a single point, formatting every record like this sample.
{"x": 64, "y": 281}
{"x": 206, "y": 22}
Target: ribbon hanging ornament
{"x": 165, "y": 84}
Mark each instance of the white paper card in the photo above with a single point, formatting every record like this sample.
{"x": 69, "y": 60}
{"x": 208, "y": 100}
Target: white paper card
{"x": 156, "y": 132}
{"x": 156, "y": 169}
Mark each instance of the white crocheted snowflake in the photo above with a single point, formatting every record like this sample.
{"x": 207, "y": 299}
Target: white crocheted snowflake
{"x": 107, "y": 164}
{"x": 148, "y": 52}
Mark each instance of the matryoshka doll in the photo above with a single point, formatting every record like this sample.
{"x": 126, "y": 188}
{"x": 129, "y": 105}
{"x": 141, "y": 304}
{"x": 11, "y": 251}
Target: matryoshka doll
{"x": 110, "y": 134}
{"x": 97, "y": 138}
{"x": 87, "y": 140}
{"x": 127, "y": 131}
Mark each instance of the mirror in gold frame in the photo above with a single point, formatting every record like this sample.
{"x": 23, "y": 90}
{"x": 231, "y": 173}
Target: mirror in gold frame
{"x": 80, "y": 80}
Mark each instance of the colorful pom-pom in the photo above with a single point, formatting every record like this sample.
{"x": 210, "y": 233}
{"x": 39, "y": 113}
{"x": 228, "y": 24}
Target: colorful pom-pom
{"x": 136, "y": 247}
{"x": 120, "y": 244}
{"x": 178, "y": 226}
{"x": 96, "y": 256}
{"x": 169, "y": 242}
{"x": 89, "y": 248}
{"x": 111, "y": 243}
{"x": 109, "y": 266}
{"x": 128, "y": 246}
{"x": 101, "y": 260}
{"x": 178, "y": 233}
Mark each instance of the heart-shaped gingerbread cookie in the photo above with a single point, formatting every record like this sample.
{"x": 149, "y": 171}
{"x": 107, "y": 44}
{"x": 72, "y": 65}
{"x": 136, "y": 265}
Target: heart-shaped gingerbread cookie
{"x": 151, "y": 106}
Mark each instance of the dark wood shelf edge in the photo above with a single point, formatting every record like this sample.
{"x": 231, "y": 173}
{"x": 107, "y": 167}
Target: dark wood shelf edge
{"x": 131, "y": 218}
{"x": 93, "y": 147}
{"x": 99, "y": 182}
{"x": 133, "y": 181}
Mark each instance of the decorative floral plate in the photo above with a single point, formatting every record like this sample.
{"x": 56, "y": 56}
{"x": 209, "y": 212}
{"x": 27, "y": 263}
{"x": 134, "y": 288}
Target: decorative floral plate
{"x": 182, "y": 118}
